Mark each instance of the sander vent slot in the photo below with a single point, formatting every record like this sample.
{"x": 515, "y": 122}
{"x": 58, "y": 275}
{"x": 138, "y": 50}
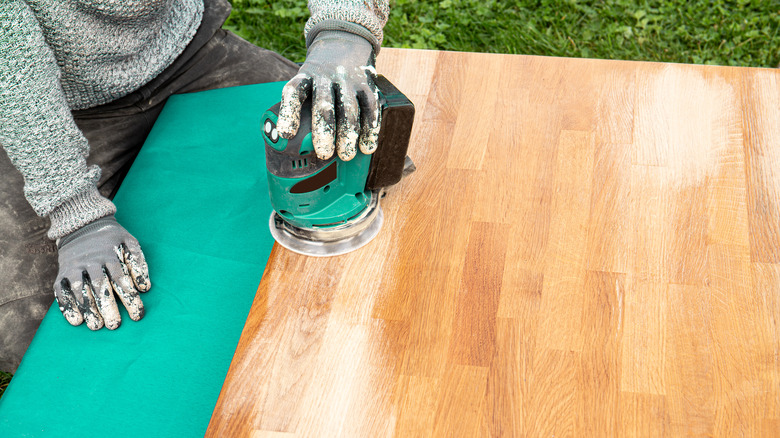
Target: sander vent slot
{"x": 300, "y": 164}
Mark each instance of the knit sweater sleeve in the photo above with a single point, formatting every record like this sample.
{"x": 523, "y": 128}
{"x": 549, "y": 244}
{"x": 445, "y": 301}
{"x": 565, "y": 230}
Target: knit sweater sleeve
{"x": 366, "y": 18}
{"x": 37, "y": 129}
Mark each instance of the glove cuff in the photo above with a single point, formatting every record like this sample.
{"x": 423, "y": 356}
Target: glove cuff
{"x": 77, "y": 211}
{"x": 86, "y": 229}
{"x": 343, "y": 26}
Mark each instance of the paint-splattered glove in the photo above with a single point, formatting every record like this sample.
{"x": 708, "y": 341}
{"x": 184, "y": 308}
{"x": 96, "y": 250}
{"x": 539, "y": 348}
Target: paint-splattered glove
{"x": 96, "y": 261}
{"x": 339, "y": 74}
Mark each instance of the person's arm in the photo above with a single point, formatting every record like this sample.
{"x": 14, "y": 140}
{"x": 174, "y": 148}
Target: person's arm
{"x": 37, "y": 129}
{"x": 343, "y": 38}
{"x": 42, "y": 140}
{"x": 364, "y": 18}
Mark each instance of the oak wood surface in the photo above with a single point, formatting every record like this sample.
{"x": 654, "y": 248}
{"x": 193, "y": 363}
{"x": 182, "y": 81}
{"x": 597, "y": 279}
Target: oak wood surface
{"x": 587, "y": 248}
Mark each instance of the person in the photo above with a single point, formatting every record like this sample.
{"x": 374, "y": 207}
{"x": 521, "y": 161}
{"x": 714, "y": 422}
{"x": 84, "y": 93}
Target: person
{"x": 81, "y": 84}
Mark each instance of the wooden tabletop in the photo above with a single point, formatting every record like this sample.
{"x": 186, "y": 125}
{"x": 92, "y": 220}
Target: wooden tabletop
{"x": 587, "y": 248}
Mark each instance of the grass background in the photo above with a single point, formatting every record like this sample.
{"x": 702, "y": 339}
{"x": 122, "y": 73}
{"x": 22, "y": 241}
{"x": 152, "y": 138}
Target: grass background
{"x": 4, "y": 379}
{"x": 734, "y": 32}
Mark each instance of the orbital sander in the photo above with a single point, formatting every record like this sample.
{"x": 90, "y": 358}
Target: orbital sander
{"x": 331, "y": 207}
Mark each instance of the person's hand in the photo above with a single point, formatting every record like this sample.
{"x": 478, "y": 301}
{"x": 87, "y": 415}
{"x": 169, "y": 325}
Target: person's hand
{"x": 339, "y": 74}
{"x": 96, "y": 261}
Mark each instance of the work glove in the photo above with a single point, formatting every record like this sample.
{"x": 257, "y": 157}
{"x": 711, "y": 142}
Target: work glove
{"x": 95, "y": 262}
{"x": 339, "y": 73}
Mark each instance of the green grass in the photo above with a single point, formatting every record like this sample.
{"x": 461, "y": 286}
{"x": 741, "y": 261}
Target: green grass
{"x": 5, "y": 378}
{"x": 734, "y": 32}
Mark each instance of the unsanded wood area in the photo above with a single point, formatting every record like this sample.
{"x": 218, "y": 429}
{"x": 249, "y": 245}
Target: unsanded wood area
{"x": 587, "y": 248}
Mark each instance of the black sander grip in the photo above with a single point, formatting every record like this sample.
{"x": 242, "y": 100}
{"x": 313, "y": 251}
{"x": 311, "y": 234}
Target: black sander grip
{"x": 387, "y": 162}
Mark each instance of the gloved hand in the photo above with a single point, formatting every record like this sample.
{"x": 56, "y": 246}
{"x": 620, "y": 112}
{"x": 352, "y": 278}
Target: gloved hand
{"x": 339, "y": 72}
{"x": 96, "y": 261}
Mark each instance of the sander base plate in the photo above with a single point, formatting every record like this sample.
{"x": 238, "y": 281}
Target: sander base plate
{"x": 329, "y": 241}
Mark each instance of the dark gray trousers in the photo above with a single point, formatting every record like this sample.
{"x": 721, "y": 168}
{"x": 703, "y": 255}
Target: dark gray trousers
{"x": 116, "y": 131}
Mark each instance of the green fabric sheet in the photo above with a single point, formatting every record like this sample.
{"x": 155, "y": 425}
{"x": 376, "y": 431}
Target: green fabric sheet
{"x": 197, "y": 200}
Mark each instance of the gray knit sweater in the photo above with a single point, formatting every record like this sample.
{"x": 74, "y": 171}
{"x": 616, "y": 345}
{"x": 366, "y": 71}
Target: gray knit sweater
{"x": 61, "y": 55}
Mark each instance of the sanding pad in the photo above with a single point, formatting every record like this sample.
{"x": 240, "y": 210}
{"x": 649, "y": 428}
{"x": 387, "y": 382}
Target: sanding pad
{"x": 330, "y": 241}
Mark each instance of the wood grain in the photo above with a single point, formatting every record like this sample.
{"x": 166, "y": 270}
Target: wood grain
{"x": 588, "y": 248}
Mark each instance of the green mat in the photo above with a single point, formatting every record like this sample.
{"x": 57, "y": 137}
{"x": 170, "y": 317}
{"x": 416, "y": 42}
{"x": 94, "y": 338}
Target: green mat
{"x": 197, "y": 200}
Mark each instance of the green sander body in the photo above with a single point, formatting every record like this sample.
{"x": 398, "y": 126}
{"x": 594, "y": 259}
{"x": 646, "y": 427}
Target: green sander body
{"x": 329, "y": 207}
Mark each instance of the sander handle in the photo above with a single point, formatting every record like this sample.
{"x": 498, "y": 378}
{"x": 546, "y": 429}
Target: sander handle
{"x": 388, "y": 161}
